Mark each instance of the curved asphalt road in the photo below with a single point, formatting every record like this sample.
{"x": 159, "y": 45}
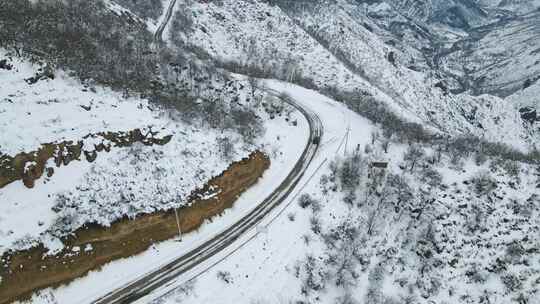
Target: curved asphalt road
{"x": 154, "y": 280}
{"x": 159, "y": 277}
{"x": 158, "y": 35}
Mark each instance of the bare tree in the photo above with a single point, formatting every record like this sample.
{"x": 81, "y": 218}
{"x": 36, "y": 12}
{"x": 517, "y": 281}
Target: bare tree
{"x": 413, "y": 155}
{"x": 385, "y": 144}
{"x": 374, "y": 137}
{"x": 225, "y": 276}
{"x": 400, "y": 193}
{"x": 483, "y": 183}
{"x": 226, "y": 147}
{"x": 253, "y": 85}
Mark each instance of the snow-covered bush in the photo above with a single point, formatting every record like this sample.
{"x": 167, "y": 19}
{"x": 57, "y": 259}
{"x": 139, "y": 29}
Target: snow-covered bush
{"x": 315, "y": 223}
{"x": 512, "y": 282}
{"x": 483, "y": 183}
{"x": 350, "y": 171}
{"x": 225, "y": 276}
{"x": 314, "y": 276}
{"x": 305, "y": 200}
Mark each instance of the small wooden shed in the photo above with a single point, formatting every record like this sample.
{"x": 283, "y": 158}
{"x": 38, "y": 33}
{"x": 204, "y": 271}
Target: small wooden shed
{"x": 379, "y": 165}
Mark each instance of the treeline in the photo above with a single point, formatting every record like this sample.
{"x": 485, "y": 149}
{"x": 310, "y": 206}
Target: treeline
{"x": 397, "y": 128}
{"x": 96, "y": 45}
{"x": 83, "y": 37}
{"x": 394, "y": 127}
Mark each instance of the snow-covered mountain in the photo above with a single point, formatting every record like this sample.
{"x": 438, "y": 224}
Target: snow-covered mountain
{"x": 106, "y": 118}
{"x": 500, "y": 58}
{"x": 479, "y": 46}
{"x": 397, "y": 53}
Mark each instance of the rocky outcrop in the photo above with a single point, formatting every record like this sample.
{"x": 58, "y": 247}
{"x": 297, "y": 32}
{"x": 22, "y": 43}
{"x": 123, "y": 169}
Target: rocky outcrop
{"x": 29, "y": 167}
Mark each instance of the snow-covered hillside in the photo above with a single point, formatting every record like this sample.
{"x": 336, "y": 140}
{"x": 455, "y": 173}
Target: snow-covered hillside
{"x": 406, "y": 172}
{"x": 428, "y": 229}
{"x": 184, "y": 162}
{"x": 62, "y": 109}
{"x": 477, "y": 46}
{"x": 330, "y": 44}
{"x": 129, "y": 180}
{"x": 500, "y": 58}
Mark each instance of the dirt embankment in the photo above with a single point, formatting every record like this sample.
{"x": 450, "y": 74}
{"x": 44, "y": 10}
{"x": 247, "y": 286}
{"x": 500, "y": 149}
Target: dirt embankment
{"x": 93, "y": 246}
{"x": 29, "y": 167}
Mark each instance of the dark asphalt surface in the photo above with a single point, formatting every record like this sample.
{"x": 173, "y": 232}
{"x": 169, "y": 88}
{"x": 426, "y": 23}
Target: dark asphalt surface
{"x": 159, "y": 32}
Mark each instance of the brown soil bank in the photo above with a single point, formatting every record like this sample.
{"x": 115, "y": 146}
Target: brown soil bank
{"x": 13, "y": 168}
{"x": 28, "y": 271}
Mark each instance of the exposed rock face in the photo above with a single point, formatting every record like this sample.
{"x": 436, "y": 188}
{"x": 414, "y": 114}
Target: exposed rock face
{"x": 29, "y": 167}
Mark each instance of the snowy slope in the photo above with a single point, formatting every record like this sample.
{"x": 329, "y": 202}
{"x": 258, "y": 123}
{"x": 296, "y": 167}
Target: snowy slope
{"x": 519, "y": 7}
{"x": 61, "y": 109}
{"x": 331, "y": 45}
{"x": 414, "y": 91}
{"x": 500, "y": 58}
{"x": 459, "y": 248}
{"x": 284, "y": 144}
{"x": 126, "y": 181}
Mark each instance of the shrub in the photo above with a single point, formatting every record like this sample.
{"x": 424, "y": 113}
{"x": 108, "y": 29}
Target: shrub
{"x": 514, "y": 252}
{"x": 225, "y": 276}
{"x": 350, "y": 197}
{"x": 512, "y": 168}
{"x": 315, "y": 223}
{"x": 305, "y": 200}
{"x": 350, "y": 172}
{"x": 431, "y": 177}
{"x": 483, "y": 183}
{"x": 316, "y": 206}
{"x": 315, "y": 277}
{"x": 291, "y": 216}
{"x": 511, "y": 282}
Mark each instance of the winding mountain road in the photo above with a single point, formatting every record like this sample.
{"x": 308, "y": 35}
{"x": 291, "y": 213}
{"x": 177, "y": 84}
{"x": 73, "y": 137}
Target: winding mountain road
{"x": 156, "y": 279}
{"x": 158, "y": 35}
{"x": 150, "y": 282}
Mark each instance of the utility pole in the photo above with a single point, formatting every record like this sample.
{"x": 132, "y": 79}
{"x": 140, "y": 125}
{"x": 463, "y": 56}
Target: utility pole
{"x": 347, "y": 136}
{"x": 178, "y": 224}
